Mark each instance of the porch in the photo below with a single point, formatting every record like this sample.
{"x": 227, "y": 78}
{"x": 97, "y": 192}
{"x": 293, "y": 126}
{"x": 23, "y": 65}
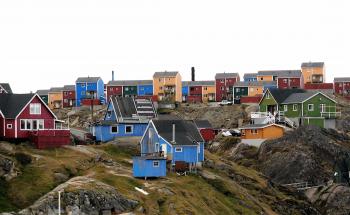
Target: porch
{"x": 50, "y": 138}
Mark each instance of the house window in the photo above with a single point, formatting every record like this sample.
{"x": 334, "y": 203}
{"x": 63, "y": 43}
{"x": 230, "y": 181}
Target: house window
{"x": 109, "y": 114}
{"x": 65, "y": 100}
{"x": 237, "y": 90}
{"x": 178, "y": 149}
{"x": 35, "y": 124}
{"x": 35, "y": 108}
{"x": 285, "y": 107}
{"x": 160, "y": 88}
{"x": 205, "y": 88}
{"x": 114, "y": 129}
{"x": 23, "y": 124}
{"x": 83, "y": 85}
{"x": 261, "y": 78}
{"x": 285, "y": 81}
{"x": 156, "y": 147}
{"x": 82, "y": 93}
{"x": 254, "y": 131}
{"x": 221, "y": 81}
{"x": 129, "y": 129}
{"x": 66, "y": 93}
{"x": 323, "y": 108}
{"x": 41, "y": 124}
{"x": 267, "y": 95}
{"x": 295, "y": 107}
{"x": 29, "y": 125}
{"x": 155, "y": 163}
{"x": 222, "y": 88}
{"x": 9, "y": 126}
{"x": 310, "y": 107}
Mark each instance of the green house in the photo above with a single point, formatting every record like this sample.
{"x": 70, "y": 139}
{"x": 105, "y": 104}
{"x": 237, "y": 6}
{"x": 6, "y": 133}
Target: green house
{"x": 300, "y": 107}
{"x": 44, "y": 95}
{"x": 130, "y": 90}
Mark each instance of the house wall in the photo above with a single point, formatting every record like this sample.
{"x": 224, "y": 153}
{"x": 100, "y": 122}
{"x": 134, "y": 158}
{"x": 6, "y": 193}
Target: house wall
{"x": 103, "y": 132}
{"x": 289, "y": 83}
{"x": 114, "y": 90}
{"x": 2, "y": 120}
{"x": 159, "y": 82}
{"x": 250, "y": 99}
{"x": 189, "y": 154}
{"x": 208, "y": 134}
{"x": 54, "y": 97}
{"x": 112, "y": 116}
{"x": 144, "y": 168}
{"x": 317, "y": 100}
{"x": 129, "y": 91}
{"x": 68, "y": 96}
{"x": 314, "y": 121}
{"x": 82, "y": 88}
{"x": 321, "y": 86}
{"x": 10, "y": 133}
{"x": 307, "y": 73}
{"x": 223, "y": 88}
{"x": 266, "y": 101}
{"x": 145, "y": 90}
{"x": 100, "y": 90}
{"x": 240, "y": 91}
{"x": 290, "y": 112}
{"x": 342, "y": 88}
{"x": 208, "y": 94}
{"x": 255, "y": 90}
{"x": 264, "y": 78}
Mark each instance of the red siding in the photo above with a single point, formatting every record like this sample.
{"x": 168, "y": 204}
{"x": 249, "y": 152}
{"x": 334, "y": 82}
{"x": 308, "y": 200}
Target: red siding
{"x": 288, "y": 83}
{"x": 339, "y": 87}
{"x": 197, "y": 90}
{"x": 194, "y": 99}
{"x": 320, "y": 86}
{"x": 10, "y": 133}
{"x": 1, "y": 126}
{"x": 222, "y": 94}
{"x": 114, "y": 90}
{"x": 87, "y": 102}
{"x": 153, "y": 98}
{"x": 250, "y": 99}
{"x": 67, "y": 96}
{"x": 46, "y": 115}
{"x": 208, "y": 134}
{"x": 50, "y": 138}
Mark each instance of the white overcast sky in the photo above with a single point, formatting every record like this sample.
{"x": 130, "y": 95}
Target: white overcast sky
{"x": 48, "y": 43}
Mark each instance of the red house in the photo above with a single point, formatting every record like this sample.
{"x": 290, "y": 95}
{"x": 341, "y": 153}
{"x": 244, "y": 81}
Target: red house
{"x": 68, "y": 96}
{"x": 26, "y": 116}
{"x": 290, "y": 79}
{"x": 113, "y": 88}
{"x": 206, "y": 129}
{"x": 342, "y": 86}
{"x": 224, "y": 85}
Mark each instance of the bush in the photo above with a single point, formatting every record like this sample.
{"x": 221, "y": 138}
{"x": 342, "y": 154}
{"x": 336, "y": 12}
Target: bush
{"x": 23, "y": 158}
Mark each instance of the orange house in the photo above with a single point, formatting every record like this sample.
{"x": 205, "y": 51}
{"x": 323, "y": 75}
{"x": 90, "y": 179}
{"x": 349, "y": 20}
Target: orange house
{"x": 209, "y": 91}
{"x": 167, "y": 86}
{"x": 262, "y": 131}
{"x": 55, "y": 98}
{"x": 313, "y": 72}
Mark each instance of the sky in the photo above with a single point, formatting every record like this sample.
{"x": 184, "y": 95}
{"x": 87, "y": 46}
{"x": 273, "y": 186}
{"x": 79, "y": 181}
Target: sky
{"x": 47, "y": 43}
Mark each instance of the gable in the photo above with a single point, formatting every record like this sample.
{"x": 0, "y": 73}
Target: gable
{"x": 320, "y": 98}
{"x": 268, "y": 98}
{"x": 45, "y": 110}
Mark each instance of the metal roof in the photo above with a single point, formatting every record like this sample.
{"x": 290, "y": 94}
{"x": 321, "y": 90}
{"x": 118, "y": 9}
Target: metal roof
{"x": 250, "y": 75}
{"x": 281, "y": 94}
{"x": 256, "y": 126}
{"x": 186, "y": 132}
{"x": 281, "y": 73}
{"x": 69, "y": 87}
{"x": 342, "y": 79}
{"x": 164, "y": 74}
{"x": 254, "y": 83}
{"x": 226, "y": 75}
{"x": 312, "y": 64}
{"x": 203, "y": 124}
{"x": 298, "y": 97}
{"x": 87, "y": 79}
{"x": 198, "y": 83}
{"x": 12, "y": 104}
{"x": 6, "y": 87}
{"x": 130, "y": 82}
{"x": 55, "y": 89}
{"x": 42, "y": 92}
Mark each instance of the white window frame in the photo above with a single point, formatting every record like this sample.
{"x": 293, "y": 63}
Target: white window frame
{"x": 322, "y": 107}
{"x": 156, "y": 164}
{"x": 285, "y": 107}
{"x": 35, "y": 108}
{"x": 267, "y": 95}
{"x": 312, "y": 107}
{"x": 132, "y": 129}
{"x": 40, "y": 124}
{"x": 156, "y": 147}
{"x": 295, "y": 107}
{"x": 114, "y": 132}
{"x": 178, "y": 149}
{"x": 9, "y": 126}
{"x": 255, "y": 131}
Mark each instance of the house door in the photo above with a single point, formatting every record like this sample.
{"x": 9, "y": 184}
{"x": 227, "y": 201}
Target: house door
{"x": 70, "y": 102}
{"x": 271, "y": 108}
{"x": 164, "y": 150}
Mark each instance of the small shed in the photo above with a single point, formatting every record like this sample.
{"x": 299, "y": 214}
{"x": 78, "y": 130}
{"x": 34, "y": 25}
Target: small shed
{"x": 262, "y": 131}
{"x": 206, "y": 129}
{"x": 149, "y": 167}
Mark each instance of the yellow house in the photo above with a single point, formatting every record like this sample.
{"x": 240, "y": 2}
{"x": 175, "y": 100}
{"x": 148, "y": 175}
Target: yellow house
{"x": 55, "y": 98}
{"x": 208, "y": 91}
{"x": 313, "y": 72}
{"x": 167, "y": 86}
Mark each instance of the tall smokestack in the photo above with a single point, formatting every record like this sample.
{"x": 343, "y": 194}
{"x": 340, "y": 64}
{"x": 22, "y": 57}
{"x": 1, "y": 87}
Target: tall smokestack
{"x": 173, "y": 133}
{"x": 112, "y": 75}
{"x": 193, "y": 75}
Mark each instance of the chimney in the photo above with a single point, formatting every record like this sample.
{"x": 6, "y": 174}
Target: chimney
{"x": 112, "y": 75}
{"x": 193, "y": 74}
{"x": 173, "y": 141}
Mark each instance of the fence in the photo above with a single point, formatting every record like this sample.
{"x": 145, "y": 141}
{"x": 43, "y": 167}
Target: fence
{"x": 43, "y": 139}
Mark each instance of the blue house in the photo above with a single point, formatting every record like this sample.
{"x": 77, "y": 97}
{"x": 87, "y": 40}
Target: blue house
{"x": 87, "y": 89}
{"x": 145, "y": 88}
{"x": 270, "y": 85}
{"x": 250, "y": 77}
{"x": 149, "y": 167}
{"x": 185, "y": 90}
{"x": 125, "y": 117}
{"x": 179, "y": 141}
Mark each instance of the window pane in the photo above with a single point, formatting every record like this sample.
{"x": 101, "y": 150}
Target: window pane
{"x": 114, "y": 129}
{"x": 29, "y": 124}
{"x": 128, "y": 129}
{"x": 23, "y": 124}
{"x": 41, "y": 124}
{"x": 35, "y": 124}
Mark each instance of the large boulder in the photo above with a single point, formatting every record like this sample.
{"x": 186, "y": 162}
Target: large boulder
{"x": 82, "y": 196}
{"x": 308, "y": 154}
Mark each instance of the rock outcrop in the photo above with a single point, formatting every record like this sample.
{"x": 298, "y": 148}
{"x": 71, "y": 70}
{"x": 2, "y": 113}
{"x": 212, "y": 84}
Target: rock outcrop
{"x": 7, "y": 168}
{"x": 308, "y": 154}
{"x": 82, "y": 196}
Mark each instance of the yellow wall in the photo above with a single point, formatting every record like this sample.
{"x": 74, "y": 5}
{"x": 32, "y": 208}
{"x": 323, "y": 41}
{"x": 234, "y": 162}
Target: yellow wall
{"x": 54, "y": 96}
{"x": 309, "y": 71}
{"x": 265, "y": 77}
{"x": 270, "y": 132}
{"x": 206, "y": 90}
{"x": 176, "y": 81}
{"x": 255, "y": 90}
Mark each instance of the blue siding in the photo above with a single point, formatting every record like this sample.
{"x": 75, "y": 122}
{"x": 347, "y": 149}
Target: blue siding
{"x": 111, "y": 117}
{"x": 148, "y": 146}
{"x": 185, "y": 91}
{"x": 189, "y": 154}
{"x": 201, "y": 153}
{"x": 145, "y": 90}
{"x": 269, "y": 87}
{"x": 250, "y": 79}
{"x": 103, "y": 132}
{"x": 144, "y": 167}
{"x": 82, "y": 88}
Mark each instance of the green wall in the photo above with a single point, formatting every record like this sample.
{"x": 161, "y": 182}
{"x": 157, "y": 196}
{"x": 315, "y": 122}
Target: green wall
{"x": 243, "y": 91}
{"x": 267, "y": 101}
{"x": 317, "y": 101}
{"x": 290, "y": 112}
{"x": 130, "y": 90}
{"x": 314, "y": 121}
